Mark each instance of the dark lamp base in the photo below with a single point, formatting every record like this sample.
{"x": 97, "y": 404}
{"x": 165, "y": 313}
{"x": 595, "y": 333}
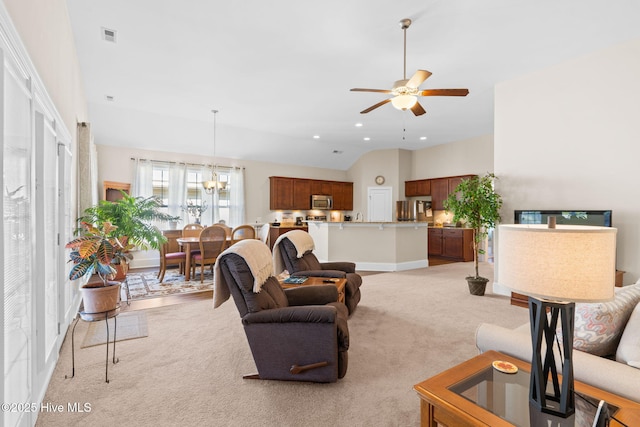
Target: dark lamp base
{"x": 560, "y": 399}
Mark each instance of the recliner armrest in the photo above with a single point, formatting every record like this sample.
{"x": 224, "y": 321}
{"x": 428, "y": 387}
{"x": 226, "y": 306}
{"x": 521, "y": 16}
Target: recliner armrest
{"x": 321, "y": 273}
{"x": 347, "y": 267}
{"x": 303, "y": 314}
{"x": 311, "y": 295}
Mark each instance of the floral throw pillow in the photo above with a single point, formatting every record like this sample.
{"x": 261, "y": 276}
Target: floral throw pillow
{"x": 599, "y": 326}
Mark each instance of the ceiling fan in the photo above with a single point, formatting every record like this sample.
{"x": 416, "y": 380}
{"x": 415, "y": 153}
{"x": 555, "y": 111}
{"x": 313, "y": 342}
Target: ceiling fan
{"x": 406, "y": 91}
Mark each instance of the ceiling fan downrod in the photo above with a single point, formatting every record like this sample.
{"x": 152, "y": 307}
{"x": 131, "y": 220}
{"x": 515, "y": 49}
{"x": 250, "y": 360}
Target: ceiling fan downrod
{"x": 404, "y": 24}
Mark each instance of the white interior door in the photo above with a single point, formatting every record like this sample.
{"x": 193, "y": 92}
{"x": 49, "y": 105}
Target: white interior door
{"x": 380, "y": 205}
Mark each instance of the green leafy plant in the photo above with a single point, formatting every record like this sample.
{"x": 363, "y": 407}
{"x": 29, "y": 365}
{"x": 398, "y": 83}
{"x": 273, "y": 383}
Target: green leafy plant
{"x": 96, "y": 251}
{"x": 475, "y": 202}
{"x": 132, "y": 217}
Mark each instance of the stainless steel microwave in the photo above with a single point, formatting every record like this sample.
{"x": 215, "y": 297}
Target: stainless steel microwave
{"x": 319, "y": 201}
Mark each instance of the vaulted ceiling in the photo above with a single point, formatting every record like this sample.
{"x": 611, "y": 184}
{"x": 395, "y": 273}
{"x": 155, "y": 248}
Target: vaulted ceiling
{"x": 279, "y": 72}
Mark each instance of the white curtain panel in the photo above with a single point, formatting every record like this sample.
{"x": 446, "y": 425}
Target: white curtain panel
{"x": 143, "y": 182}
{"x": 178, "y": 191}
{"x": 237, "y": 208}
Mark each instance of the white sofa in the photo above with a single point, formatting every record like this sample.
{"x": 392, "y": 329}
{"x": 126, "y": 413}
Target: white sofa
{"x": 620, "y": 377}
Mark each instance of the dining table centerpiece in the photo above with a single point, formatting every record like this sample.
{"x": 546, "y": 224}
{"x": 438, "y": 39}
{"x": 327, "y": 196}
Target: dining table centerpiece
{"x": 195, "y": 210}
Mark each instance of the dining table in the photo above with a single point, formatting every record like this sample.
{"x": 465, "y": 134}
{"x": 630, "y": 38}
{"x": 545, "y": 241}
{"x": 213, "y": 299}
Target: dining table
{"x": 186, "y": 243}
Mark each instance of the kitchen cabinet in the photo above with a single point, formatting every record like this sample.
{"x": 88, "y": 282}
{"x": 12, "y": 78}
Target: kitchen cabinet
{"x": 434, "y": 242}
{"x": 442, "y": 187}
{"x": 295, "y": 193}
{"x": 416, "y": 188}
{"x": 342, "y": 193}
{"x": 320, "y": 187}
{"x": 277, "y": 231}
{"x": 452, "y": 243}
{"x": 281, "y": 193}
{"x": 301, "y": 194}
{"x": 439, "y": 192}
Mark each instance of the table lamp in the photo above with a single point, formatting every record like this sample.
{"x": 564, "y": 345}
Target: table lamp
{"x": 556, "y": 267}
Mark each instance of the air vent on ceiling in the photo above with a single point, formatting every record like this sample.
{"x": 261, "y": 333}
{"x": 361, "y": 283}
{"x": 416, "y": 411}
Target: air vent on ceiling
{"x": 337, "y": 152}
{"x": 109, "y": 98}
{"x": 109, "y": 35}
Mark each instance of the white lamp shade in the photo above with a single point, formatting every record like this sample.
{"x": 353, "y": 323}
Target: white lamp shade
{"x": 567, "y": 263}
{"x": 404, "y": 102}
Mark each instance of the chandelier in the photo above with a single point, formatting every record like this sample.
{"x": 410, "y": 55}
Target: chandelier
{"x": 211, "y": 185}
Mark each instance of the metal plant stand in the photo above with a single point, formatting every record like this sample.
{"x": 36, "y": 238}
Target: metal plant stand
{"x": 96, "y": 317}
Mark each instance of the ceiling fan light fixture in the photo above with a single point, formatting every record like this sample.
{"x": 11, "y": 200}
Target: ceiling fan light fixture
{"x": 404, "y": 102}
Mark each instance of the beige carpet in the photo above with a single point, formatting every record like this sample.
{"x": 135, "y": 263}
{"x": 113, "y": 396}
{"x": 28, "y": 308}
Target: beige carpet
{"x": 131, "y": 325}
{"x": 188, "y": 372}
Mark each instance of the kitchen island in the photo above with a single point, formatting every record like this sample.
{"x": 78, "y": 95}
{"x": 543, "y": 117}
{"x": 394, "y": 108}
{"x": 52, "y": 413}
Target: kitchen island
{"x": 373, "y": 246}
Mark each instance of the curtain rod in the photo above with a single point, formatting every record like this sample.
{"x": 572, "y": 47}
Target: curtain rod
{"x": 187, "y": 163}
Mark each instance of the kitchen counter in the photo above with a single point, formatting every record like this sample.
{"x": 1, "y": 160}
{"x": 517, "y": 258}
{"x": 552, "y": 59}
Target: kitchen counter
{"x": 373, "y": 246}
{"x": 276, "y": 230}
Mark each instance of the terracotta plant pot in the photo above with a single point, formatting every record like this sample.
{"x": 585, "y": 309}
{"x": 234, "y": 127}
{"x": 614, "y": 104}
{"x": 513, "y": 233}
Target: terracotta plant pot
{"x": 121, "y": 272}
{"x": 99, "y": 300}
{"x": 477, "y": 285}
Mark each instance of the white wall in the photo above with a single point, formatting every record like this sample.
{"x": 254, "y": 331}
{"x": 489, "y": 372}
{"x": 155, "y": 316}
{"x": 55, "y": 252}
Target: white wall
{"x": 568, "y": 137}
{"x": 114, "y": 164}
{"x": 469, "y": 156}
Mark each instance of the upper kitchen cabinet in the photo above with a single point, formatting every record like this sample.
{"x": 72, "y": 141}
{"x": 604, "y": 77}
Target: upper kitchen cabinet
{"x": 342, "y": 193}
{"x": 416, "y": 188}
{"x": 302, "y": 194}
{"x": 320, "y": 187}
{"x": 281, "y": 193}
{"x": 442, "y": 187}
{"x": 295, "y": 193}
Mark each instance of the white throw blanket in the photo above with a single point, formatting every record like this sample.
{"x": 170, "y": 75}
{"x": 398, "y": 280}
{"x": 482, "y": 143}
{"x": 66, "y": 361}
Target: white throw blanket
{"x": 258, "y": 258}
{"x": 302, "y": 241}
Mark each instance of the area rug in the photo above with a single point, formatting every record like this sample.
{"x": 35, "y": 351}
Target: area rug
{"x": 147, "y": 285}
{"x": 130, "y": 325}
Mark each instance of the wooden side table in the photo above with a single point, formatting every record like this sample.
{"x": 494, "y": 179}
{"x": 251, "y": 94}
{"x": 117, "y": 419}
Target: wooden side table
{"x": 339, "y": 283}
{"x": 475, "y": 394}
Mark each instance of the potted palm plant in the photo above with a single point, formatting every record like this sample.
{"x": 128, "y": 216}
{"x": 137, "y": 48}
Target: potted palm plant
{"x": 476, "y": 203}
{"x": 132, "y": 218}
{"x": 96, "y": 251}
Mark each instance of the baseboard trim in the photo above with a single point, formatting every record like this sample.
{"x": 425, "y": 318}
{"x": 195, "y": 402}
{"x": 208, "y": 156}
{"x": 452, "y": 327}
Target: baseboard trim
{"x": 390, "y": 266}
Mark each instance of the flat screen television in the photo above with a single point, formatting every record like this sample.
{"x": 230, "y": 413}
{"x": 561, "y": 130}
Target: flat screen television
{"x": 597, "y": 218}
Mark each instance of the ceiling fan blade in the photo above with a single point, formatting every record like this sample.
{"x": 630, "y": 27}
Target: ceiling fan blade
{"x": 444, "y": 92}
{"x": 357, "y": 89}
{"x": 418, "y": 78}
{"x": 373, "y": 107}
{"x": 417, "y": 109}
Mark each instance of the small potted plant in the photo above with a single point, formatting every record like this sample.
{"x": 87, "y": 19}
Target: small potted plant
{"x": 96, "y": 251}
{"x": 475, "y": 202}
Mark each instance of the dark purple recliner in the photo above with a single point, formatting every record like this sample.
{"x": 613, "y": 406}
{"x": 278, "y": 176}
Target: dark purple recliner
{"x": 298, "y": 334}
{"x": 309, "y": 265}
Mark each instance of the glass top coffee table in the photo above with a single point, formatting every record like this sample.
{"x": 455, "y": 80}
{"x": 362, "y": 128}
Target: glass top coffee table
{"x": 476, "y": 394}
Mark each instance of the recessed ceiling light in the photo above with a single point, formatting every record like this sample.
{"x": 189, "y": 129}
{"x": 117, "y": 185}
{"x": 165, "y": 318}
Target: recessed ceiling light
{"x": 423, "y": 138}
{"x": 358, "y": 125}
{"x": 109, "y": 98}
{"x": 108, "y": 35}
{"x": 316, "y": 136}
{"x": 366, "y": 138}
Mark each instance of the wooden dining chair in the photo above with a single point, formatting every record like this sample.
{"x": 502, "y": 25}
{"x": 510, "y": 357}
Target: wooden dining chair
{"x": 213, "y": 240}
{"x": 192, "y": 230}
{"x": 228, "y": 230}
{"x": 170, "y": 258}
{"x": 242, "y": 232}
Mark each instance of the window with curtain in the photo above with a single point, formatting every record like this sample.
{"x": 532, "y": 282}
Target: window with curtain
{"x": 178, "y": 185}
